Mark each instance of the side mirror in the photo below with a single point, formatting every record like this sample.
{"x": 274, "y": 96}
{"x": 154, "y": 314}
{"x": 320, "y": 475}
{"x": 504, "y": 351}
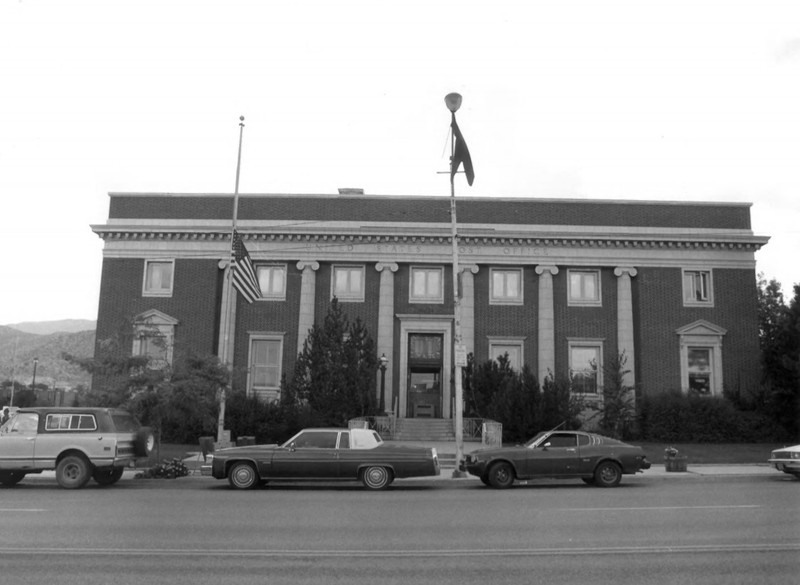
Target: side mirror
{"x": 292, "y": 447}
{"x": 545, "y": 446}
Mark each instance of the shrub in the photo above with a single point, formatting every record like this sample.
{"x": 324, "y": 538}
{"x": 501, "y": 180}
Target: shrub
{"x": 494, "y": 390}
{"x": 675, "y": 417}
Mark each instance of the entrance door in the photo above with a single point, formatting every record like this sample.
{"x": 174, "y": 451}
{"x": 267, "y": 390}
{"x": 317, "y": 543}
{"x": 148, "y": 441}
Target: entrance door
{"x": 425, "y": 375}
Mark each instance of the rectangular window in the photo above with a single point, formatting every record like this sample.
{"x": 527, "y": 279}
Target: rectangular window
{"x": 70, "y": 422}
{"x": 506, "y": 286}
{"x": 584, "y": 367}
{"x": 266, "y": 355}
{"x": 154, "y": 346}
{"x": 348, "y": 283}
{"x": 427, "y": 285}
{"x": 584, "y": 287}
{"x": 512, "y": 348}
{"x": 272, "y": 281}
{"x": 697, "y": 287}
{"x": 699, "y": 368}
{"x": 158, "y": 278}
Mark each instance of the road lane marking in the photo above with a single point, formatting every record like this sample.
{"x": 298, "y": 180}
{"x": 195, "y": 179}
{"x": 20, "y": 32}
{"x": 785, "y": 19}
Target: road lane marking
{"x": 637, "y": 508}
{"x": 428, "y": 553}
{"x": 8, "y": 510}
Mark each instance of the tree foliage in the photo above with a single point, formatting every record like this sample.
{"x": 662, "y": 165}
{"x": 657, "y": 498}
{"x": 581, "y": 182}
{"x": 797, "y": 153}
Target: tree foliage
{"x": 617, "y": 409}
{"x": 494, "y": 390}
{"x": 335, "y": 373}
{"x": 779, "y": 337}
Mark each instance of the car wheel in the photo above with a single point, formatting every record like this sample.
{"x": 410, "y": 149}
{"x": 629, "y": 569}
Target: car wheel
{"x": 73, "y": 472}
{"x": 243, "y": 476}
{"x": 501, "y": 475}
{"x": 144, "y": 443}
{"x": 485, "y": 480}
{"x": 108, "y": 476}
{"x": 607, "y": 474}
{"x": 376, "y": 478}
{"x": 10, "y": 478}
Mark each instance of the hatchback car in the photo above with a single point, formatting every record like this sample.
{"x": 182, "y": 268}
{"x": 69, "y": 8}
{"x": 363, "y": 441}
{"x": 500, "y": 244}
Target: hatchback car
{"x": 595, "y": 459}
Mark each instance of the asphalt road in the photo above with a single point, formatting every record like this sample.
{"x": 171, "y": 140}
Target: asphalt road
{"x": 195, "y": 530}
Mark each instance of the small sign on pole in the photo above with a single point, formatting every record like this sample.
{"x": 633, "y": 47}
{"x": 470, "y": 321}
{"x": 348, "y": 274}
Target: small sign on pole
{"x": 461, "y": 356}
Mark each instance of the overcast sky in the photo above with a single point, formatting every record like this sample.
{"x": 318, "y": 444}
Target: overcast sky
{"x": 633, "y": 99}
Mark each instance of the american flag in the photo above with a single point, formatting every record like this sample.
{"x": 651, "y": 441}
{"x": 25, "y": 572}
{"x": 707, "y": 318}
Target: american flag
{"x": 244, "y": 274}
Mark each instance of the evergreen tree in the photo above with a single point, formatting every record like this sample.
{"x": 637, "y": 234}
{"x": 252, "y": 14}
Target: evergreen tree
{"x": 335, "y": 373}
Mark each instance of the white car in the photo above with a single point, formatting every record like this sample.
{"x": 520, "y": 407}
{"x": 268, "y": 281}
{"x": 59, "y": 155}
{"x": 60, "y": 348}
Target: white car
{"x": 787, "y": 460}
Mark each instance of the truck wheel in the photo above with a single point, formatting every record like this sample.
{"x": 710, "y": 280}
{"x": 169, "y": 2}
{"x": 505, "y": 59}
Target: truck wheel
{"x": 73, "y": 472}
{"x": 144, "y": 442}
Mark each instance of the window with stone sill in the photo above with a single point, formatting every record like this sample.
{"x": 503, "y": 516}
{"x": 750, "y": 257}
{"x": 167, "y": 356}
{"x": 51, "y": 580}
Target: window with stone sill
{"x": 697, "y": 288}
{"x": 427, "y": 285}
{"x": 585, "y": 375}
{"x": 348, "y": 283}
{"x": 583, "y": 288}
{"x": 506, "y": 286}
{"x": 272, "y": 281}
{"x": 158, "y": 278}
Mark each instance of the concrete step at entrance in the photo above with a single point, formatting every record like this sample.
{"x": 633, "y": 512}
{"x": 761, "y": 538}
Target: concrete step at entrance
{"x": 416, "y": 429}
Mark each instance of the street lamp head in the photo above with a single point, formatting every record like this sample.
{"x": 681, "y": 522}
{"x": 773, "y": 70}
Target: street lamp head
{"x": 453, "y": 101}
{"x": 384, "y": 360}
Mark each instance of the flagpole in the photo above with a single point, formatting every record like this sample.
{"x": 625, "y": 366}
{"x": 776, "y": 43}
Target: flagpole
{"x": 227, "y": 358}
{"x": 453, "y": 102}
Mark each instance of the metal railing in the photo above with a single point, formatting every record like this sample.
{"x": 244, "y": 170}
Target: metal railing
{"x": 485, "y": 430}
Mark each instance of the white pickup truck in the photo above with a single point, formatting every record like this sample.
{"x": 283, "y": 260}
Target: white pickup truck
{"x": 79, "y": 443}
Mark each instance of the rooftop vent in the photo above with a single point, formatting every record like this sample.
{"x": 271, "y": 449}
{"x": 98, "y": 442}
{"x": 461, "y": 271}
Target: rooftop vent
{"x": 350, "y": 191}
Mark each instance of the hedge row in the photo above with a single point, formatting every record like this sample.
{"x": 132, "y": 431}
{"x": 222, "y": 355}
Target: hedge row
{"x": 681, "y": 418}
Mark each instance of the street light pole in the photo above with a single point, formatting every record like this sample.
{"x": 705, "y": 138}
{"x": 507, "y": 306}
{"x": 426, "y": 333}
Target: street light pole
{"x": 383, "y": 361}
{"x": 35, "y": 364}
{"x": 453, "y": 102}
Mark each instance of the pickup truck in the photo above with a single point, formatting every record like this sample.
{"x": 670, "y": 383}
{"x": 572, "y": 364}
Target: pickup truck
{"x": 78, "y": 443}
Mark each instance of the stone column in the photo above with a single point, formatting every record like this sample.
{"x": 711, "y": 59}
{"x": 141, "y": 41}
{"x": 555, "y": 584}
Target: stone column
{"x": 468, "y": 305}
{"x": 308, "y": 287}
{"x": 546, "y": 325}
{"x": 625, "y": 321}
{"x": 385, "y": 339}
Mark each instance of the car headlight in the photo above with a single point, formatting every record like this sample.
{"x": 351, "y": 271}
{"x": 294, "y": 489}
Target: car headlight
{"x": 795, "y": 454}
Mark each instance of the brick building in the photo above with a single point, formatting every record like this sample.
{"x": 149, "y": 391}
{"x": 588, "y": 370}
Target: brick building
{"x": 560, "y": 285}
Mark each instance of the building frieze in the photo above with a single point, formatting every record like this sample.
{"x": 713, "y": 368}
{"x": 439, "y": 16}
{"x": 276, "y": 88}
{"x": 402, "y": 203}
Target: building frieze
{"x": 468, "y": 244}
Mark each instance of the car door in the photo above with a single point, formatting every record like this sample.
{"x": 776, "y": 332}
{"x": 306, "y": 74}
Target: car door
{"x": 312, "y": 454}
{"x": 557, "y": 454}
{"x": 18, "y": 441}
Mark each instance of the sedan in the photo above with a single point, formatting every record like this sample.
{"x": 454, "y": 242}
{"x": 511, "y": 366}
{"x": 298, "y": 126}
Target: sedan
{"x": 787, "y": 460}
{"x": 595, "y": 459}
{"x": 323, "y": 455}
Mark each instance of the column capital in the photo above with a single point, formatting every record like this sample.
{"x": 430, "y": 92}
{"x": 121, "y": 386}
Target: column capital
{"x": 629, "y": 270}
{"x": 542, "y": 268}
{"x": 381, "y": 266}
{"x": 473, "y": 268}
{"x": 312, "y": 264}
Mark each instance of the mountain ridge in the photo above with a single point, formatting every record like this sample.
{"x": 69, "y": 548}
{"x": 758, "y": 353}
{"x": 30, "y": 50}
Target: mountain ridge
{"x": 20, "y": 350}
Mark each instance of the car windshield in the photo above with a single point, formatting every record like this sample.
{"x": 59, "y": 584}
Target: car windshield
{"x": 534, "y": 440}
